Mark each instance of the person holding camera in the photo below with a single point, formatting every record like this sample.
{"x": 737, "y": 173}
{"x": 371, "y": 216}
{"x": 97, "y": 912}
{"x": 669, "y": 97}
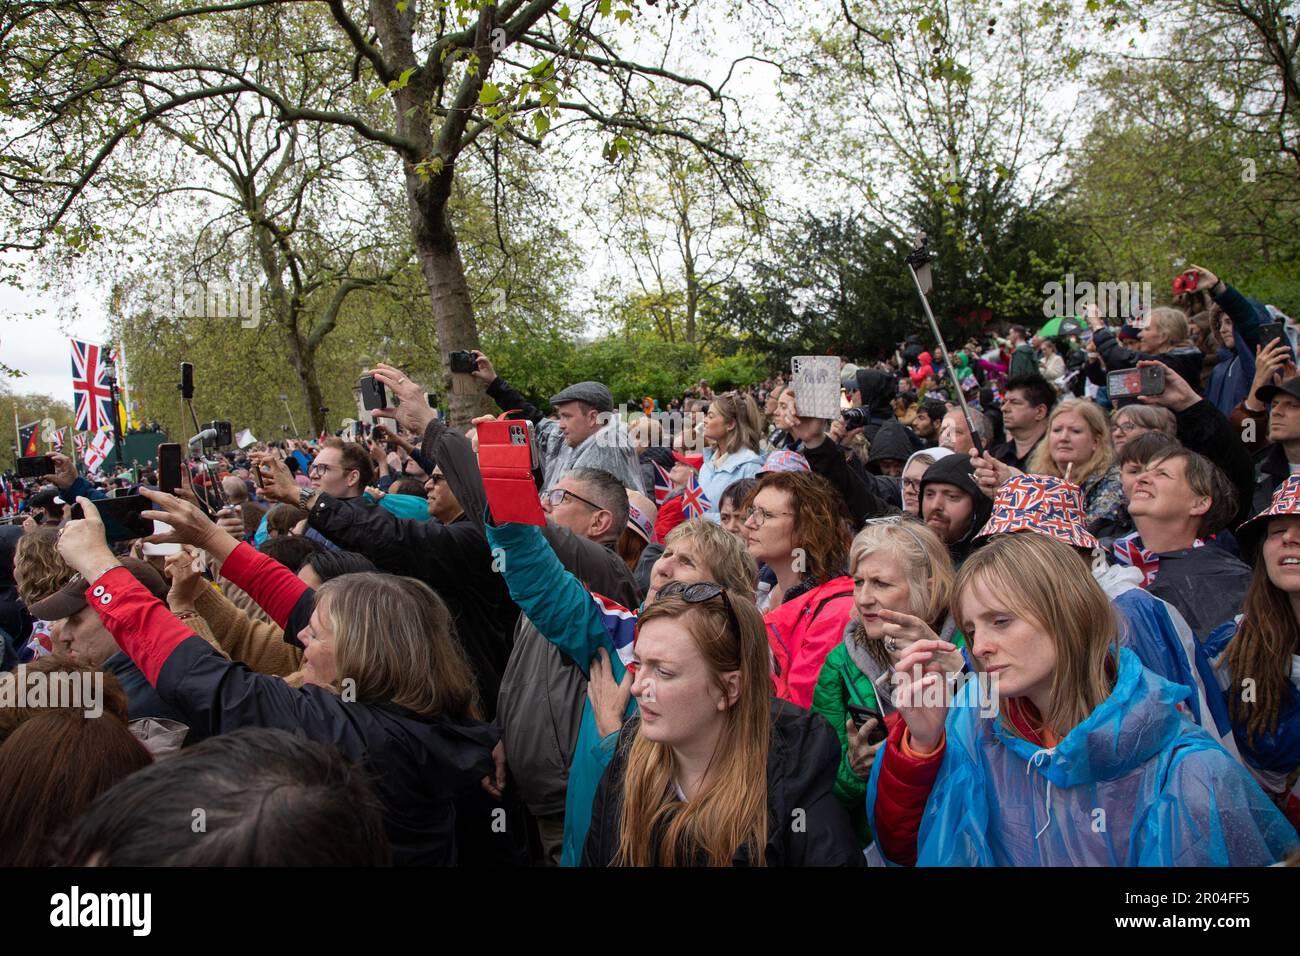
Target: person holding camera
{"x": 586, "y": 432}
{"x": 1163, "y": 338}
{"x": 385, "y": 681}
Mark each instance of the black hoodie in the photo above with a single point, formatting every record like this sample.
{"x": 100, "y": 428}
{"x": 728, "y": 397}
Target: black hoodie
{"x": 957, "y": 470}
{"x": 802, "y": 758}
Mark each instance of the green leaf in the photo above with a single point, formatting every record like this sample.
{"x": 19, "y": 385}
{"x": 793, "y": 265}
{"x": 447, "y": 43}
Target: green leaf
{"x": 401, "y": 6}
{"x": 622, "y": 16}
{"x": 489, "y": 94}
{"x": 925, "y": 24}
{"x": 541, "y": 123}
{"x": 603, "y": 7}
{"x": 405, "y": 78}
{"x": 375, "y": 94}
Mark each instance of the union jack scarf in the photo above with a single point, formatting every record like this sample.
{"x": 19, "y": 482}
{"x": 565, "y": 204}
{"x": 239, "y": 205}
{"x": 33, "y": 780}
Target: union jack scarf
{"x": 1129, "y": 552}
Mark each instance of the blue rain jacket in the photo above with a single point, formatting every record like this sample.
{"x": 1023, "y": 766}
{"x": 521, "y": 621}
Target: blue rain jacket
{"x": 1136, "y": 784}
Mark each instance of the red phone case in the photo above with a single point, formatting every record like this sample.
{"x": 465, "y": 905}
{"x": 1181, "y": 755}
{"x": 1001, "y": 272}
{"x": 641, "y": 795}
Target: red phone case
{"x": 505, "y": 462}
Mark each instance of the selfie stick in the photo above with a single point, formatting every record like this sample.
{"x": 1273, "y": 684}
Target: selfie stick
{"x": 187, "y": 400}
{"x": 918, "y": 263}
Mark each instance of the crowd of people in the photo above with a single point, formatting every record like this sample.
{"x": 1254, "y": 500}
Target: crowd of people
{"x": 991, "y": 614}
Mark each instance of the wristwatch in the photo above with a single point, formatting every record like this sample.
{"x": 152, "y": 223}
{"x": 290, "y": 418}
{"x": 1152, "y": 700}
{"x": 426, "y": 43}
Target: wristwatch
{"x": 304, "y": 496}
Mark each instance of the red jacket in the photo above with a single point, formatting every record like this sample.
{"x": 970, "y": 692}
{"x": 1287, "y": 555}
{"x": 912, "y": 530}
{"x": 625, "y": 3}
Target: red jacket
{"x": 907, "y": 778}
{"x": 801, "y": 632}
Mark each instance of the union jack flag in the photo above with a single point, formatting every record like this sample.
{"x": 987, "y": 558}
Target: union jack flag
{"x": 91, "y": 396}
{"x": 663, "y": 487}
{"x": 694, "y": 502}
{"x": 58, "y": 439}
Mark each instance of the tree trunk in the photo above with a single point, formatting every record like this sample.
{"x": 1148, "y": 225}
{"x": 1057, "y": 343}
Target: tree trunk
{"x": 453, "y": 312}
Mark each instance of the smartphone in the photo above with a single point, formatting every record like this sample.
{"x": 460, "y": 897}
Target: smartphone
{"x": 169, "y": 467}
{"x": 506, "y": 454}
{"x": 432, "y": 398}
{"x": 860, "y": 716}
{"x": 35, "y": 466}
{"x": 121, "y": 517}
{"x": 462, "y": 361}
{"x": 187, "y": 380}
{"x": 373, "y": 394}
{"x": 1128, "y": 382}
{"x": 1272, "y": 331}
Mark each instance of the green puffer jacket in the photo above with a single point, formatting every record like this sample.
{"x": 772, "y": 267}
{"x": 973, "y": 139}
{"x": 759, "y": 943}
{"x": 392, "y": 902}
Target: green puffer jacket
{"x": 841, "y": 683}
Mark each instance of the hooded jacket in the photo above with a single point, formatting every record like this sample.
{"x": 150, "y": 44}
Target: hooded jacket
{"x": 877, "y": 390}
{"x": 891, "y": 441}
{"x": 1135, "y": 784}
{"x": 958, "y": 470}
{"x": 801, "y": 760}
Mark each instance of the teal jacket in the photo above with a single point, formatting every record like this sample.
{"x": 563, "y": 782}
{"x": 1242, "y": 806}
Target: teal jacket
{"x": 405, "y": 506}
{"x": 579, "y": 623}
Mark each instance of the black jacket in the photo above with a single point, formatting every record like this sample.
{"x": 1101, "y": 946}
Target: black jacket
{"x": 806, "y": 824}
{"x": 453, "y": 559}
{"x": 1185, "y": 360}
{"x": 1207, "y": 585}
{"x": 1203, "y": 429}
{"x": 1272, "y": 469}
{"x": 418, "y": 765}
{"x": 861, "y": 497}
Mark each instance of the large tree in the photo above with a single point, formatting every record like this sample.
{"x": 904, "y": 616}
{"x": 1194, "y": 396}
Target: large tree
{"x": 439, "y": 84}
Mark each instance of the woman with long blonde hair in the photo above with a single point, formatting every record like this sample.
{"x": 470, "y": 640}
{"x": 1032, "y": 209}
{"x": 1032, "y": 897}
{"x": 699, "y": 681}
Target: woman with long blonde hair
{"x": 1065, "y": 751}
{"x": 733, "y": 432}
{"x": 713, "y": 771}
{"x": 1078, "y": 448}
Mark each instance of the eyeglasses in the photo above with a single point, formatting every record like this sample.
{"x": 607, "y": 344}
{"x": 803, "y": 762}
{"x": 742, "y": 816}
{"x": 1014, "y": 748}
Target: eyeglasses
{"x": 912, "y": 484}
{"x": 761, "y": 515}
{"x": 315, "y": 471}
{"x": 1125, "y": 428}
{"x": 436, "y": 479}
{"x": 698, "y": 593}
{"x": 556, "y": 497}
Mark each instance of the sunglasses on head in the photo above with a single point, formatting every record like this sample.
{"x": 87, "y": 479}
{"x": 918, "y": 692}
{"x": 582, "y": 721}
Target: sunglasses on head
{"x": 699, "y": 593}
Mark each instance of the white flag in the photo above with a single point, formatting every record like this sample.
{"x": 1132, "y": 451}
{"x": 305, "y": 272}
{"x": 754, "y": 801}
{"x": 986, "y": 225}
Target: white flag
{"x": 245, "y": 439}
{"x": 97, "y": 451}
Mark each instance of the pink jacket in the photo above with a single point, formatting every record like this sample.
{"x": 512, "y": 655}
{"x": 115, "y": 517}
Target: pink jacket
{"x": 801, "y": 632}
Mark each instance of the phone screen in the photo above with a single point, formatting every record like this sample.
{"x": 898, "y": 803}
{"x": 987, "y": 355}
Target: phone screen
{"x": 121, "y": 517}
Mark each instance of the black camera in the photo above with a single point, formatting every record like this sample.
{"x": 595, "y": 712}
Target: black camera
{"x": 223, "y": 431}
{"x": 855, "y": 418}
{"x": 462, "y": 361}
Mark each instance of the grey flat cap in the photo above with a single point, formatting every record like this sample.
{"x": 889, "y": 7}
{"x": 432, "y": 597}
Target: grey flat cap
{"x": 593, "y": 393}
{"x": 849, "y": 377}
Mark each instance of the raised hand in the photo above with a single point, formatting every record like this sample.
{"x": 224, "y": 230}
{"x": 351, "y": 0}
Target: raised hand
{"x": 990, "y": 473}
{"x": 277, "y": 482}
{"x": 82, "y": 544}
{"x": 483, "y": 370}
{"x": 921, "y": 693}
{"x": 189, "y": 525}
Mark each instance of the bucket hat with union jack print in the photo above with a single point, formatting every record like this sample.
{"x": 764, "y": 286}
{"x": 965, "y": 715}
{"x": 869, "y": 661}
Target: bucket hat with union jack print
{"x": 1042, "y": 504}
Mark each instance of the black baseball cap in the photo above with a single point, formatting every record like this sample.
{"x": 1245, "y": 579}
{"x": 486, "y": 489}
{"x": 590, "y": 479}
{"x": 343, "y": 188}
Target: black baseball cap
{"x": 1290, "y": 387}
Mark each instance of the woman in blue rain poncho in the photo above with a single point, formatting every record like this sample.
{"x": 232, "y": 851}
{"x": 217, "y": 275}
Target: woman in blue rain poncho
{"x": 1064, "y": 751}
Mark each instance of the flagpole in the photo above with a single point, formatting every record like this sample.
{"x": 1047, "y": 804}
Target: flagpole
{"x": 126, "y": 383}
{"x": 18, "y": 436}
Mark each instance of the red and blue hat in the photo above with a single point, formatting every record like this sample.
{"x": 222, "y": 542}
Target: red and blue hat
{"x": 785, "y": 460}
{"x": 1041, "y": 504}
{"x": 1286, "y": 501}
